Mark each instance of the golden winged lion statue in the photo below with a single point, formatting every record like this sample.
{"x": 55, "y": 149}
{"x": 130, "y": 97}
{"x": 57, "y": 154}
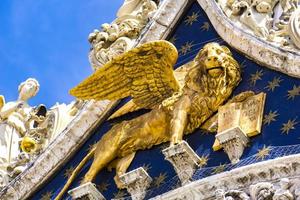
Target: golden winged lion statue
{"x": 180, "y": 102}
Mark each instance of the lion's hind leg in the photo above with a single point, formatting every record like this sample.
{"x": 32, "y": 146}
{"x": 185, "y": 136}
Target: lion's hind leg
{"x": 121, "y": 166}
{"x": 105, "y": 153}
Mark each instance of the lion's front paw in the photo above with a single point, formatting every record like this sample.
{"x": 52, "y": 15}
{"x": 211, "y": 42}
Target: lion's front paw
{"x": 175, "y": 139}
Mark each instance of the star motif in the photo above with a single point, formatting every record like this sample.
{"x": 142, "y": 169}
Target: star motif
{"x": 173, "y": 39}
{"x": 191, "y": 19}
{"x": 146, "y": 167}
{"x": 184, "y": 49}
{"x": 205, "y": 26}
{"x": 157, "y": 181}
{"x": 270, "y": 117}
{"x": 68, "y": 172}
{"x": 255, "y": 77}
{"x": 120, "y": 194}
{"x": 103, "y": 186}
{"x": 290, "y": 125}
{"x": 243, "y": 65}
{"x": 273, "y": 84}
{"x": 294, "y": 92}
{"x": 47, "y": 195}
{"x": 203, "y": 161}
{"x": 219, "y": 169}
{"x": 263, "y": 153}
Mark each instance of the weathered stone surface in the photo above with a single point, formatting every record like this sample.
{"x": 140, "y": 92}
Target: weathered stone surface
{"x": 136, "y": 182}
{"x": 261, "y": 51}
{"x": 250, "y": 179}
{"x": 87, "y": 191}
{"x": 184, "y": 160}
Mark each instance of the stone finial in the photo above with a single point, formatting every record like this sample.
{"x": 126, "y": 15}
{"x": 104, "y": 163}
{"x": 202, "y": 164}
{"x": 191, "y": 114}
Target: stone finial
{"x": 184, "y": 160}
{"x": 87, "y": 191}
{"x": 136, "y": 182}
{"x": 233, "y": 141}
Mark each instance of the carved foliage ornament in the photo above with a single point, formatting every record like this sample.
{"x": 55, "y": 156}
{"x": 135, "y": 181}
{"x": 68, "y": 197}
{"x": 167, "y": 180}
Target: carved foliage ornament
{"x": 285, "y": 190}
{"x": 120, "y": 36}
{"x": 276, "y": 21}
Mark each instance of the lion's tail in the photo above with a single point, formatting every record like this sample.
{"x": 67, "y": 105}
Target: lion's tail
{"x": 75, "y": 173}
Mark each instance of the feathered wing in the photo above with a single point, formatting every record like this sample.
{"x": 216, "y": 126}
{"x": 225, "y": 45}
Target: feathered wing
{"x": 145, "y": 73}
{"x": 180, "y": 74}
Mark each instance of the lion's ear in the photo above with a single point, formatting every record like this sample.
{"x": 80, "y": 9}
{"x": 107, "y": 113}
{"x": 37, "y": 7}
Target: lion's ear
{"x": 226, "y": 50}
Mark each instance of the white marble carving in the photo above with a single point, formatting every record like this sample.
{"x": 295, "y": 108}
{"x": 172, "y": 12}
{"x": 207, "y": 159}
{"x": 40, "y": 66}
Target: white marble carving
{"x": 283, "y": 192}
{"x": 266, "y": 53}
{"x": 87, "y": 191}
{"x": 27, "y": 131}
{"x": 233, "y": 141}
{"x": 231, "y": 195}
{"x": 294, "y": 27}
{"x": 261, "y": 191}
{"x": 268, "y": 19}
{"x": 136, "y": 182}
{"x": 273, "y": 179}
{"x": 122, "y": 33}
{"x": 184, "y": 160}
{"x": 15, "y": 124}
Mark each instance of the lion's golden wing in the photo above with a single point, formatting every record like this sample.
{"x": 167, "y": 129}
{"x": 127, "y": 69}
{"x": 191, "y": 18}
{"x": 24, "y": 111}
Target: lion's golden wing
{"x": 145, "y": 73}
{"x": 179, "y": 73}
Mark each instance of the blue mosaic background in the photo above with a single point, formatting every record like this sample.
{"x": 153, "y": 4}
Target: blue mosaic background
{"x": 281, "y": 122}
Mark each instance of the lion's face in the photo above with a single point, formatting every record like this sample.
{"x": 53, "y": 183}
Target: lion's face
{"x": 213, "y": 56}
{"x": 214, "y": 69}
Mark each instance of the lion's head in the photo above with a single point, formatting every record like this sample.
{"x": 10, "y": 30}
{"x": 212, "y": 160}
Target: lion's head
{"x": 214, "y": 68}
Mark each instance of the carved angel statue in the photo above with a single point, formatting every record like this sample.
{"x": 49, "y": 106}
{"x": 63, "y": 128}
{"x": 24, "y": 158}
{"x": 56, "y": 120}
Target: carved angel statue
{"x": 180, "y": 101}
{"x": 13, "y": 127}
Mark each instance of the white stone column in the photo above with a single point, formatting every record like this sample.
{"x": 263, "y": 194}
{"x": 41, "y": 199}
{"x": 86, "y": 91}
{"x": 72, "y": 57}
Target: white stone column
{"x": 184, "y": 160}
{"x": 136, "y": 182}
{"x": 87, "y": 191}
{"x": 234, "y": 141}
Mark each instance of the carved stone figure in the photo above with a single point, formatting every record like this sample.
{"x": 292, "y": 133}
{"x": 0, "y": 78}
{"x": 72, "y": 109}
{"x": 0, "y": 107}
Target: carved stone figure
{"x": 26, "y": 131}
{"x": 272, "y": 20}
{"x": 14, "y": 116}
{"x": 146, "y": 74}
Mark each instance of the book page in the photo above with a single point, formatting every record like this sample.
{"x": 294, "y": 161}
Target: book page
{"x": 229, "y": 116}
{"x": 252, "y": 113}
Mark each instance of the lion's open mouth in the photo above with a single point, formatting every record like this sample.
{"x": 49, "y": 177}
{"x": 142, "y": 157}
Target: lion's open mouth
{"x": 215, "y": 71}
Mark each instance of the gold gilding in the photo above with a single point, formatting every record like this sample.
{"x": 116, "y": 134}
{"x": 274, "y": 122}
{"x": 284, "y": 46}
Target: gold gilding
{"x": 246, "y": 114}
{"x": 178, "y": 106}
